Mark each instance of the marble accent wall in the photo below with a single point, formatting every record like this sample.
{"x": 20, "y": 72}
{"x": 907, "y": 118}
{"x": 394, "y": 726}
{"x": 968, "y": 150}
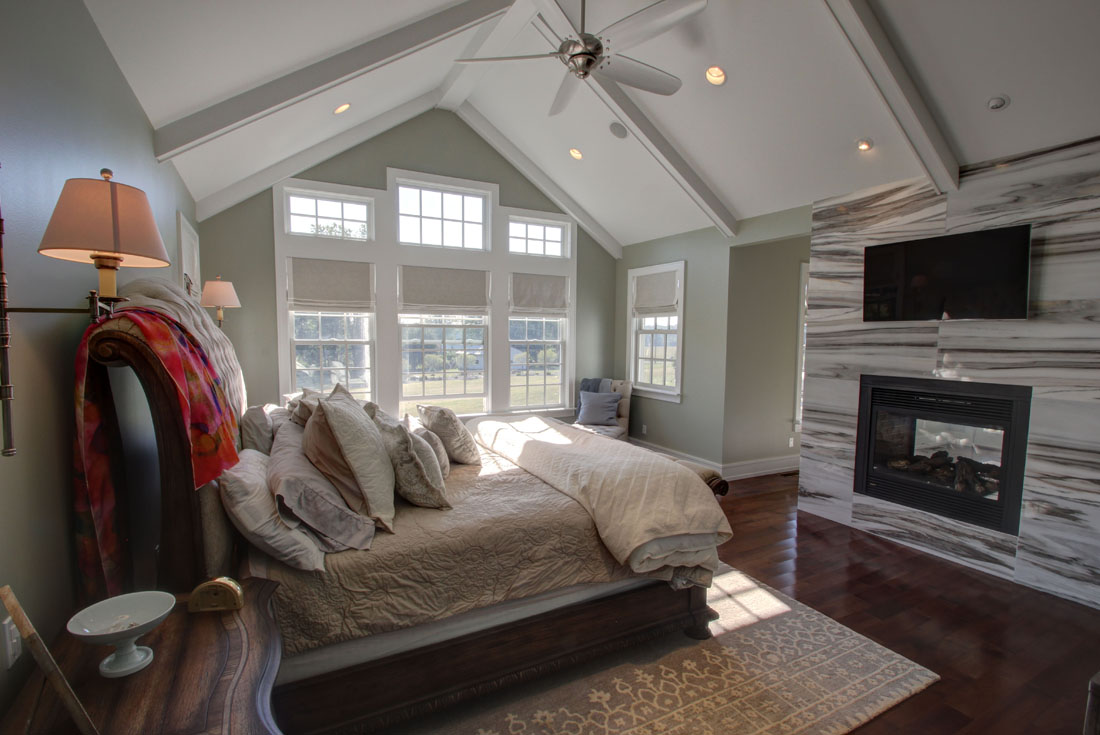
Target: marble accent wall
{"x": 1056, "y": 351}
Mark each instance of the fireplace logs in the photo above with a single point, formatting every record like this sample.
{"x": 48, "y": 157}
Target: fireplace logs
{"x": 965, "y": 475}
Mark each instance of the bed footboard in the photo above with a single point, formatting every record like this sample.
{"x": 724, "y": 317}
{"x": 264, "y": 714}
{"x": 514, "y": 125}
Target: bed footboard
{"x": 416, "y": 682}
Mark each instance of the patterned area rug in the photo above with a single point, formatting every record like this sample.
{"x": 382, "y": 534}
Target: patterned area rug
{"x": 774, "y": 667}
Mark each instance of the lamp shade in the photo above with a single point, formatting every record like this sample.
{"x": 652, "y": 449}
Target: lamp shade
{"x": 99, "y": 216}
{"x": 219, "y": 293}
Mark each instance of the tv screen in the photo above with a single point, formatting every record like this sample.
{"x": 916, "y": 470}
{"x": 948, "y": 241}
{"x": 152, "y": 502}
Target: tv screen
{"x": 975, "y": 275}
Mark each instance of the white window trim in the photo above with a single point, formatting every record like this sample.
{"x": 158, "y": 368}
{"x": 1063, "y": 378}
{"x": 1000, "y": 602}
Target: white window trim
{"x": 368, "y": 342}
{"x": 337, "y": 191}
{"x": 800, "y": 360}
{"x": 387, "y": 255}
{"x": 491, "y": 192}
{"x": 564, "y": 356}
{"x": 566, "y": 240}
{"x": 672, "y": 395}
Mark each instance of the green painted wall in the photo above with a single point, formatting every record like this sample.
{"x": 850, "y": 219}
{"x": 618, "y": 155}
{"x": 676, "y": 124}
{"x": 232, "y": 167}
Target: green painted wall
{"x": 66, "y": 112}
{"x": 238, "y": 243}
{"x": 761, "y": 349}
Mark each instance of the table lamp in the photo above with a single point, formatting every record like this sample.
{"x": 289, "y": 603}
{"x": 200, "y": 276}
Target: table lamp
{"x": 221, "y": 294}
{"x": 109, "y": 224}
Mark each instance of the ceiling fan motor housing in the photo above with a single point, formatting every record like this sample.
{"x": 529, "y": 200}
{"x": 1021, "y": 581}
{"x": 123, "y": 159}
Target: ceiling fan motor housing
{"x": 582, "y": 55}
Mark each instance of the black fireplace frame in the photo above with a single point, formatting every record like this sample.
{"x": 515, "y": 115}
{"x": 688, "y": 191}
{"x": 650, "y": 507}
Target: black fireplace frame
{"x": 948, "y": 401}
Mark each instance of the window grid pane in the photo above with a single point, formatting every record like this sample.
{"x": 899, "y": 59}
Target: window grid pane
{"x": 443, "y": 359}
{"x": 656, "y": 346}
{"x": 439, "y": 218}
{"x": 535, "y": 362}
{"x": 326, "y": 217}
{"x": 531, "y": 238}
{"x": 330, "y": 348}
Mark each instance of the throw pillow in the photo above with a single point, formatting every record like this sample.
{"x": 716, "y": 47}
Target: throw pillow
{"x": 256, "y": 430}
{"x": 599, "y": 409}
{"x": 419, "y": 477}
{"x": 456, "y": 438}
{"x": 436, "y": 444}
{"x": 309, "y": 497}
{"x": 302, "y": 408}
{"x": 251, "y": 507}
{"x": 342, "y": 442}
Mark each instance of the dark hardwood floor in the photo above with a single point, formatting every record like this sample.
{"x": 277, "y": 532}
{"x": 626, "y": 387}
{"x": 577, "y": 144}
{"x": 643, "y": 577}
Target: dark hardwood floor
{"x": 1010, "y": 659}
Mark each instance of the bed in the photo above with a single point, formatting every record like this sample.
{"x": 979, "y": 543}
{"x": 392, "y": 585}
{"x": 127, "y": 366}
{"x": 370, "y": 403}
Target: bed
{"x": 391, "y": 661}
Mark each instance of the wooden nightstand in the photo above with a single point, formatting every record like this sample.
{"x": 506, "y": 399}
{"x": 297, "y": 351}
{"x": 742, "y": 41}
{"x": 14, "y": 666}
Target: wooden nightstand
{"x": 212, "y": 673}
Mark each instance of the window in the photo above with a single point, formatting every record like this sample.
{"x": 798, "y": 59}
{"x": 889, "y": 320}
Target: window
{"x": 535, "y": 357}
{"x": 800, "y": 368}
{"x": 328, "y": 217}
{"x": 533, "y": 238}
{"x": 450, "y": 219}
{"x": 331, "y": 348}
{"x": 443, "y": 361}
{"x": 656, "y": 321}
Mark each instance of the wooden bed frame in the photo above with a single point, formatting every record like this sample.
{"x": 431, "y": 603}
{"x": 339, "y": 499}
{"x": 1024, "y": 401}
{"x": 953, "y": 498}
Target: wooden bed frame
{"x": 361, "y": 697}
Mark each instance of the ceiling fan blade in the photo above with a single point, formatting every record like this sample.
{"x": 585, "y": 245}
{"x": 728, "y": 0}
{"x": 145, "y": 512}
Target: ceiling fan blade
{"x": 508, "y": 58}
{"x": 569, "y": 86}
{"x": 649, "y": 22}
{"x": 634, "y": 73}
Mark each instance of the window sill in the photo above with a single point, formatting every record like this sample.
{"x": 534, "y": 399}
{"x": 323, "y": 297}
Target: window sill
{"x": 655, "y": 394}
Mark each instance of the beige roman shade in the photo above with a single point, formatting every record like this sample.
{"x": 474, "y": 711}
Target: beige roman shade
{"x": 655, "y": 293}
{"x": 443, "y": 290}
{"x": 336, "y": 285}
{"x": 538, "y": 294}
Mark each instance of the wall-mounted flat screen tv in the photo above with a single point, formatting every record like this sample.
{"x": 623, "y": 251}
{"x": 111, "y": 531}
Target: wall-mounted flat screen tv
{"x": 974, "y": 275}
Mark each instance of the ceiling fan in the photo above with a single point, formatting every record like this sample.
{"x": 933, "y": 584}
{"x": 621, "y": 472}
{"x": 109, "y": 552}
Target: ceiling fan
{"x": 600, "y": 54}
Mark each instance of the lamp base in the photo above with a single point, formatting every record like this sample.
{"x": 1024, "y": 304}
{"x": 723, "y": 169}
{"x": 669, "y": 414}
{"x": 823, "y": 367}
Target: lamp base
{"x": 102, "y": 306}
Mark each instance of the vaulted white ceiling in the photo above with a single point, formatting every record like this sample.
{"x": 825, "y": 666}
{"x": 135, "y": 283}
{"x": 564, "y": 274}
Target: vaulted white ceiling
{"x": 241, "y": 95}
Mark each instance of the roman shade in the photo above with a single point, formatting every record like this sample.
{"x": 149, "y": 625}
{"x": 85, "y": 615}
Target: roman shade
{"x": 330, "y": 285}
{"x": 538, "y": 294}
{"x": 656, "y": 293}
{"x": 425, "y": 290}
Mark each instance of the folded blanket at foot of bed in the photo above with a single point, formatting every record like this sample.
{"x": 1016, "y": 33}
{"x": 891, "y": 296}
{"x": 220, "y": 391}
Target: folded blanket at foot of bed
{"x": 654, "y": 515}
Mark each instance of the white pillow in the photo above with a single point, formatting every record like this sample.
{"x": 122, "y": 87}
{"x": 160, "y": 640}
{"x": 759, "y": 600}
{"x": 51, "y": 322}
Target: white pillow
{"x": 251, "y": 507}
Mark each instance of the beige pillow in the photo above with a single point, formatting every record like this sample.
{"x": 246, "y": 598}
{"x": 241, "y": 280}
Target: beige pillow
{"x": 251, "y": 506}
{"x": 302, "y": 408}
{"x": 436, "y": 444}
{"x": 419, "y": 477}
{"x": 345, "y": 445}
{"x": 456, "y": 438}
{"x": 256, "y": 430}
{"x": 308, "y": 496}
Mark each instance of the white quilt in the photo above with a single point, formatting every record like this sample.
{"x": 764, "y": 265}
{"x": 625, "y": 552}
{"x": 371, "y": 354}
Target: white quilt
{"x": 654, "y": 515}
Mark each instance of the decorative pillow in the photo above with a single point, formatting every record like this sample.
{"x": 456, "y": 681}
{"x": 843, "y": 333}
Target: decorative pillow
{"x": 599, "y": 409}
{"x": 302, "y": 408}
{"x": 256, "y": 430}
{"x": 343, "y": 442}
{"x": 433, "y": 441}
{"x": 419, "y": 477}
{"x": 278, "y": 416}
{"x": 251, "y": 507}
{"x": 308, "y": 496}
{"x": 456, "y": 438}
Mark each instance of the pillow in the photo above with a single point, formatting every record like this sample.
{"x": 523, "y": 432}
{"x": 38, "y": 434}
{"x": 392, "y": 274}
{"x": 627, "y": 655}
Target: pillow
{"x": 256, "y": 430}
{"x": 433, "y": 441}
{"x": 456, "y": 438}
{"x": 419, "y": 477}
{"x": 308, "y": 496}
{"x": 251, "y": 507}
{"x": 302, "y": 408}
{"x": 599, "y": 409}
{"x": 345, "y": 445}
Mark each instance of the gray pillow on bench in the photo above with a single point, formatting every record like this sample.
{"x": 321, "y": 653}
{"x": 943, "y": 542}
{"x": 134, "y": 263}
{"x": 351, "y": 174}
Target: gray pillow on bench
{"x": 599, "y": 409}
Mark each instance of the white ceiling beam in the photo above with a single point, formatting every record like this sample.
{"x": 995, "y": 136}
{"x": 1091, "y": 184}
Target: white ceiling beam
{"x": 293, "y": 165}
{"x": 536, "y": 176}
{"x": 880, "y": 59}
{"x": 464, "y": 78}
{"x": 176, "y": 137}
{"x": 555, "y": 24}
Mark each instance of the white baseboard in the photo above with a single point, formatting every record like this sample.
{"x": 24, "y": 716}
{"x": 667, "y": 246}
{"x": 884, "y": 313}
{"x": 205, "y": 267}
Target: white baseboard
{"x": 758, "y": 467}
{"x": 680, "y": 455}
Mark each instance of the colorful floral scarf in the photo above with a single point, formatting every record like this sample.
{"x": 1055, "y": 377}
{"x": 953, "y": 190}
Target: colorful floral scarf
{"x": 103, "y": 564}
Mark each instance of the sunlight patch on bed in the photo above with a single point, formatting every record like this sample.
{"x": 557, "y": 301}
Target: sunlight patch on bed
{"x": 740, "y": 601}
{"x": 536, "y": 428}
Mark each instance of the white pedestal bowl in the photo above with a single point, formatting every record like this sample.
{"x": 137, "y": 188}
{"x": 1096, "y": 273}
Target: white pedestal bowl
{"x": 120, "y": 621}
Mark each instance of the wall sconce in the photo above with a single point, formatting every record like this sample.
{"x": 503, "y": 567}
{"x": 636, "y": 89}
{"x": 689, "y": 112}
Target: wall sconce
{"x": 221, "y": 294}
{"x": 108, "y": 223}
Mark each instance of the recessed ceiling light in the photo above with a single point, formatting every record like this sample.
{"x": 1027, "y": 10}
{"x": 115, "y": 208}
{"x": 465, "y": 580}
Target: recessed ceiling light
{"x": 342, "y": 108}
{"x": 999, "y": 102}
{"x": 618, "y": 129}
{"x": 865, "y": 144}
{"x": 576, "y": 154}
{"x": 716, "y": 76}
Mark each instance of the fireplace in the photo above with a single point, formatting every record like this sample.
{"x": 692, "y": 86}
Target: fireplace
{"x": 952, "y": 448}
